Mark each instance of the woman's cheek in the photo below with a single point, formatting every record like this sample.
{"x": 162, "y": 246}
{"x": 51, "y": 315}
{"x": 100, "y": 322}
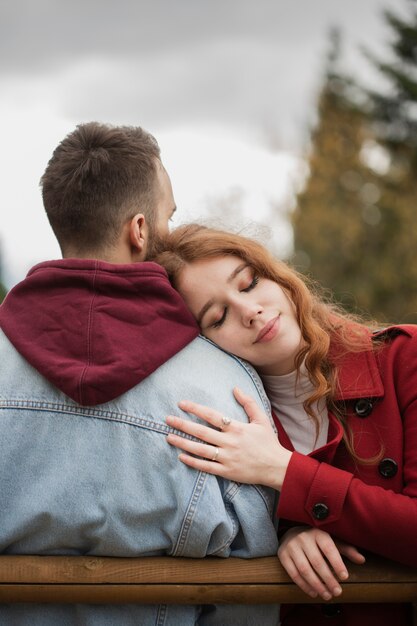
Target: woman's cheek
{"x": 234, "y": 345}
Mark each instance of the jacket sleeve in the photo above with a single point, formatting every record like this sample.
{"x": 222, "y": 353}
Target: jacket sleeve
{"x": 368, "y": 516}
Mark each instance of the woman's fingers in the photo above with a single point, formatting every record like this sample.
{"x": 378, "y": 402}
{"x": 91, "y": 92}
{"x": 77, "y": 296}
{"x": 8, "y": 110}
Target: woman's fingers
{"x": 217, "y": 419}
{"x": 248, "y": 453}
{"x": 296, "y": 577}
{"x": 202, "y": 465}
{"x": 328, "y": 547}
{"x": 209, "y": 452}
{"x": 209, "y": 456}
{"x": 209, "y": 415}
{"x": 320, "y": 566}
{"x": 312, "y": 560}
{"x": 311, "y": 571}
{"x": 209, "y": 435}
{"x": 351, "y": 552}
{"x": 254, "y": 413}
{"x": 303, "y": 574}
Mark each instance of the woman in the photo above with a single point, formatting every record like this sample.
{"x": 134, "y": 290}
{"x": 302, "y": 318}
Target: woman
{"x": 345, "y": 400}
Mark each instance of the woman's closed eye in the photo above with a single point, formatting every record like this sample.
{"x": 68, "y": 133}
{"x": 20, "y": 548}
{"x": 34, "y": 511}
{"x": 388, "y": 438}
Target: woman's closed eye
{"x": 219, "y": 322}
{"x": 253, "y": 283}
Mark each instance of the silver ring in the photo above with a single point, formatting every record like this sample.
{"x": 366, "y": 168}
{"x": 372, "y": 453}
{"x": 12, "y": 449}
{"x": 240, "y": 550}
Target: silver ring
{"x": 216, "y": 454}
{"x": 226, "y": 421}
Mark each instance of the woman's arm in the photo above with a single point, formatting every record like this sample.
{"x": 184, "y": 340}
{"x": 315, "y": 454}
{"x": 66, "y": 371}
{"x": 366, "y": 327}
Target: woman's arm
{"x": 363, "y": 515}
{"x": 368, "y": 512}
{"x": 367, "y": 516}
{"x": 251, "y": 453}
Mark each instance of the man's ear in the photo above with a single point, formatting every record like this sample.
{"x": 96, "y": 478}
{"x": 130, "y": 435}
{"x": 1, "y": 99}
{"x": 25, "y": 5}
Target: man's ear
{"x": 138, "y": 232}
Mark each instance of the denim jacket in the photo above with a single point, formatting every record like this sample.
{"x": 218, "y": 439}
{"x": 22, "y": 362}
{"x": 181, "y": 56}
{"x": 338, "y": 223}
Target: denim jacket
{"x": 102, "y": 480}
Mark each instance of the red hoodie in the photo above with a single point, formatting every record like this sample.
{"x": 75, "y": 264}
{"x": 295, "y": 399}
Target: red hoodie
{"x": 95, "y": 329}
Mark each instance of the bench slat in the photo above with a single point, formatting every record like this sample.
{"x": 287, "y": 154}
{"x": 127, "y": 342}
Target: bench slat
{"x": 149, "y": 580}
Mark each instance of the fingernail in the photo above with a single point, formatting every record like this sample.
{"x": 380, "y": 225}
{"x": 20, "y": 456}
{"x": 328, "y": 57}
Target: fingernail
{"x": 337, "y": 591}
{"x": 326, "y": 595}
{"x": 169, "y": 419}
{"x": 312, "y": 594}
{"x": 343, "y": 575}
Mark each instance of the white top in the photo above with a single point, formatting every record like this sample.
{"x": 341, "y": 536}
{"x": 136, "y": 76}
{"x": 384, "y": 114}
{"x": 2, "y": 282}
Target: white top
{"x": 287, "y": 395}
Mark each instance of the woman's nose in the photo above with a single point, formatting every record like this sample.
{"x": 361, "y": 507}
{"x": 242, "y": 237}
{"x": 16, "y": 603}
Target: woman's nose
{"x": 249, "y": 313}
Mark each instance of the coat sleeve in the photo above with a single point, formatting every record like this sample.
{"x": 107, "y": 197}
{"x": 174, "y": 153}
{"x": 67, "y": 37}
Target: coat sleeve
{"x": 368, "y": 516}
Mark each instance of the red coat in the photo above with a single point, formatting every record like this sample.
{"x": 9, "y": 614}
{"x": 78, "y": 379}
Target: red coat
{"x": 373, "y": 507}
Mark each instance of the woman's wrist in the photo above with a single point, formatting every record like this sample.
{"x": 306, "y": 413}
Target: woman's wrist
{"x": 280, "y": 469}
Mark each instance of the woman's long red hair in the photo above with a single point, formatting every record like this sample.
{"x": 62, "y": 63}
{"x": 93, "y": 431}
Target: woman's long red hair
{"x": 320, "y": 322}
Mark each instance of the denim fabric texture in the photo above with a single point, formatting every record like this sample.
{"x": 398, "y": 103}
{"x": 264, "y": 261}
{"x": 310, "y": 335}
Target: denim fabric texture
{"x": 103, "y": 481}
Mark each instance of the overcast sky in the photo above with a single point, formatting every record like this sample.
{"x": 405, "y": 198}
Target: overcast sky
{"x": 227, "y": 86}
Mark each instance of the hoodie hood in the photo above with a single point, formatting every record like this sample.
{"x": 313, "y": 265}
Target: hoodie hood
{"x": 95, "y": 329}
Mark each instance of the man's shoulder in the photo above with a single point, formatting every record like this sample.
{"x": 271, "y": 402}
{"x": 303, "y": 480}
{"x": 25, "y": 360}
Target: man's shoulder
{"x": 208, "y": 353}
{"x": 206, "y": 374}
{"x": 202, "y": 357}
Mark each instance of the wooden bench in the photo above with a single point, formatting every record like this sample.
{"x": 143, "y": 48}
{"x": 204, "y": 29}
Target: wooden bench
{"x": 107, "y": 580}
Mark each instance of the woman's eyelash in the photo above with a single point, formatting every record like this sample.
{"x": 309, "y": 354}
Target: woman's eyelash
{"x": 255, "y": 281}
{"x": 221, "y": 320}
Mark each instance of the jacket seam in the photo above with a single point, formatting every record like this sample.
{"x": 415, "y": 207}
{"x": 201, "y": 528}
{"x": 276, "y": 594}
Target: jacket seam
{"x": 189, "y": 514}
{"x": 112, "y": 416}
{"x": 226, "y": 544}
{"x": 162, "y": 614}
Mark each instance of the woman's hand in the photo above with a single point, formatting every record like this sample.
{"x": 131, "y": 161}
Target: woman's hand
{"x": 246, "y": 453}
{"x": 313, "y": 560}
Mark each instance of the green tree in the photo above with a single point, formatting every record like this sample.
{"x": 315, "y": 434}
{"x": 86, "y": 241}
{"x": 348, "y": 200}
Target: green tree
{"x": 336, "y": 212}
{"x": 353, "y": 226}
{"x": 394, "y": 110}
{"x": 394, "y": 123}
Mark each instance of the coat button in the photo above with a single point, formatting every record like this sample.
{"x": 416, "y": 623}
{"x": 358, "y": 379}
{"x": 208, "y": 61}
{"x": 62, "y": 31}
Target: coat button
{"x": 320, "y": 511}
{"x": 388, "y": 468}
{"x": 363, "y": 407}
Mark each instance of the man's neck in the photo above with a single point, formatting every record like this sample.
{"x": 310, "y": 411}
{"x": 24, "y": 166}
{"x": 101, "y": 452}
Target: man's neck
{"x": 117, "y": 256}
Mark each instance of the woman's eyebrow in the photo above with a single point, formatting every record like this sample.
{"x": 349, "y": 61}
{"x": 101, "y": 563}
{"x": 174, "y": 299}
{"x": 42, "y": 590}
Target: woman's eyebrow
{"x": 210, "y": 302}
{"x": 204, "y": 310}
{"x": 237, "y": 271}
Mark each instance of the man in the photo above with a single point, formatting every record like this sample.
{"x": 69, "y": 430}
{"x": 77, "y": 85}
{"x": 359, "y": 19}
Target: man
{"x": 96, "y": 349}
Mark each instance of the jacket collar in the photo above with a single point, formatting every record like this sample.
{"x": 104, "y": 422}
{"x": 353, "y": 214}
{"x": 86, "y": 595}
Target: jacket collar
{"x": 358, "y": 377}
{"x": 358, "y": 373}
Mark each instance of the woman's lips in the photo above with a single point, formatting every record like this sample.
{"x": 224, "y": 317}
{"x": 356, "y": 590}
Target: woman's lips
{"x": 269, "y": 331}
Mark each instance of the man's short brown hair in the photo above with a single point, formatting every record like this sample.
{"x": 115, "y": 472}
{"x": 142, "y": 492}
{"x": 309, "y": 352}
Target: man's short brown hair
{"x": 98, "y": 178}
